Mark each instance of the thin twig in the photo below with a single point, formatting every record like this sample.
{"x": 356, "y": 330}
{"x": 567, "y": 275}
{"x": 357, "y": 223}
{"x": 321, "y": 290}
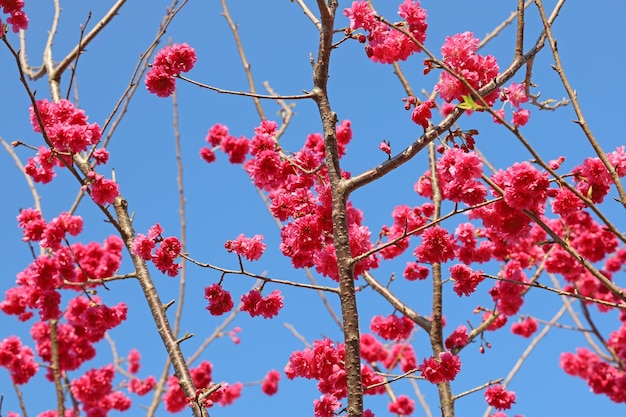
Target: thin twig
{"x": 225, "y": 271}
{"x": 245, "y": 93}
{"x": 309, "y": 14}
{"x": 29, "y": 180}
{"x": 296, "y": 334}
{"x": 558, "y": 67}
{"x": 244, "y": 60}
{"x": 520, "y": 361}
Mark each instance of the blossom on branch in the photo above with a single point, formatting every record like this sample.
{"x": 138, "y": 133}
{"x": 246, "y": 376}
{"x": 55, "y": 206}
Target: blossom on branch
{"x": 250, "y": 248}
{"x": 169, "y": 62}
{"x": 220, "y": 300}
{"x": 441, "y": 369}
{"x": 499, "y": 397}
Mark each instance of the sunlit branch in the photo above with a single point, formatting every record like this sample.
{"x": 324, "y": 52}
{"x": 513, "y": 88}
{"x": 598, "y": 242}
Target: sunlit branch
{"x": 218, "y": 332}
{"x": 420, "y": 398}
{"x": 402, "y": 307}
{"x": 140, "y": 68}
{"x": 536, "y": 284}
{"x": 20, "y": 167}
{"x": 286, "y": 112}
{"x": 574, "y": 316}
{"x": 297, "y": 335}
{"x": 478, "y": 388}
{"x": 244, "y": 60}
{"x": 225, "y": 271}
{"x": 309, "y": 14}
{"x": 80, "y": 40}
{"x": 106, "y": 19}
{"x": 245, "y": 93}
{"x": 408, "y": 233}
{"x": 594, "y": 329}
{"x": 574, "y": 99}
{"x": 394, "y": 379}
{"x": 531, "y": 346}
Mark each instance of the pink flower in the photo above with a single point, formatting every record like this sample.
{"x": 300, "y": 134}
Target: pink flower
{"x": 459, "y": 53}
{"x": 496, "y": 396}
{"x": 18, "y": 20}
{"x": 386, "y": 45}
{"x": 458, "y": 338}
{"x": 139, "y": 387}
{"x": 133, "y": 361}
{"x": 465, "y": 280}
{"x": 421, "y": 114}
{"x": 270, "y": 382}
{"x": 165, "y": 255}
{"x": 142, "y": 246}
{"x": 520, "y": 117}
{"x": 19, "y": 360}
{"x": 403, "y": 354}
{"x": 103, "y": 191}
{"x": 207, "y": 154}
{"x": 216, "y": 134}
{"x": 440, "y": 370}
{"x": 249, "y": 248}
{"x": 41, "y": 166}
{"x": 175, "y": 59}
{"x": 326, "y": 406}
{"x": 385, "y": 147}
{"x": 392, "y": 327}
{"x": 230, "y": 393}
{"x": 32, "y": 224}
{"x": 526, "y": 328}
{"x": 437, "y": 246}
{"x": 256, "y": 305}
{"x": 515, "y": 94}
{"x": 414, "y": 271}
{"x": 159, "y": 82}
{"x": 402, "y": 405}
{"x": 220, "y": 300}
{"x": 101, "y": 156}
{"x": 371, "y": 349}
{"x": 95, "y": 390}
{"x": 237, "y": 149}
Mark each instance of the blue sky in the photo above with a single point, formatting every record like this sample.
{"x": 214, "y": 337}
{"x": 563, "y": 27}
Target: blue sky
{"x": 221, "y": 203}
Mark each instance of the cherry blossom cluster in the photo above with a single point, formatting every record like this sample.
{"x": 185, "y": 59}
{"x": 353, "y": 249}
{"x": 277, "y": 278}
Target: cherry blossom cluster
{"x": 385, "y": 44}
{"x": 168, "y": 63}
{"x": 66, "y": 266}
{"x": 498, "y": 397}
{"x": 392, "y": 327}
{"x": 440, "y": 369}
{"x": 270, "y": 383}
{"x": 459, "y": 54}
{"x": 87, "y": 322}
{"x": 83, "y": 321}
{"x": 601, "y": 376}
{"x": 17, "y": 19}
{"x": 221, "y": 302}
{"x": 175, "y": 400}
{"x": 324, "y": 362}
{"x": 164, "y": 255}
{"x": 18, "y": 359}
{"x": 250, "y": 248}
{"x": 96, "y": 393}
{"x": 136, "y": 385}
{"x": 594, "y": 180}
{"x": 515, "y": 94}
{"x": 299, "y": 192}
{"x": 397, "y": 354}
{"x": 68, "y": 132}
{"x": 458, "y": 174}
